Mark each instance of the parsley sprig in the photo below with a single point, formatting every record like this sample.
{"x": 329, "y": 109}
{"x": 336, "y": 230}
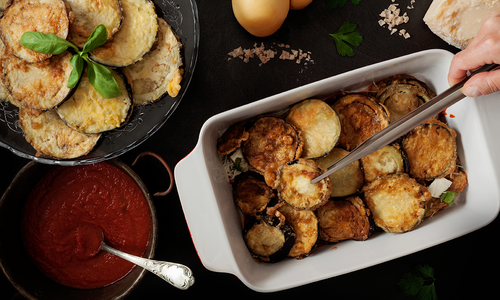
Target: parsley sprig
{"x": 448, "y": 197}
{"x": 344, "y": 35}
{"x": 331, "y": 4}
{"x": 419, "y": 282}
{"x": 99, "y": 76}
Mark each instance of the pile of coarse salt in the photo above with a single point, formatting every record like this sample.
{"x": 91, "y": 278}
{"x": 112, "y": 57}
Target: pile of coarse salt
{"x": 265, "y": 55}
{"x": 392, "y": 18}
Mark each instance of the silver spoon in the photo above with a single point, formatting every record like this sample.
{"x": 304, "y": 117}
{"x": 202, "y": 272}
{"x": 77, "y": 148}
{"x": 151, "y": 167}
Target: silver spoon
{"x": 177, "y": 275}
{"x": 404, "y": 124}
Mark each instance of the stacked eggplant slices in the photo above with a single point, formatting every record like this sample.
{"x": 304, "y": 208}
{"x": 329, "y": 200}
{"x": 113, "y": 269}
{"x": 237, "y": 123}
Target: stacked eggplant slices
{"x": 141, "y": 52}
{"x": 271, "y": 160}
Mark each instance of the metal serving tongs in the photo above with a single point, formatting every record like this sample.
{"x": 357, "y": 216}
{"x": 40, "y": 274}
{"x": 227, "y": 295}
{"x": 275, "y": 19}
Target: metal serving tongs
{"x": 404, "y": 124}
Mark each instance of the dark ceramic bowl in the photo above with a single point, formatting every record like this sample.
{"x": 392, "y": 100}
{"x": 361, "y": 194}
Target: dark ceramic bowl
{"x": 20, "y": 269}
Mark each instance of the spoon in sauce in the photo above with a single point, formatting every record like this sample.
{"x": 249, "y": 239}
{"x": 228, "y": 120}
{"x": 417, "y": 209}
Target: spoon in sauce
{"x": 177, "y": 275}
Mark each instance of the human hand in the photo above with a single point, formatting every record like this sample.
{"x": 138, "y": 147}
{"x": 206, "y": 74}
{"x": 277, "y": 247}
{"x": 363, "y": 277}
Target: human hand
{"x": 483, "y": 49}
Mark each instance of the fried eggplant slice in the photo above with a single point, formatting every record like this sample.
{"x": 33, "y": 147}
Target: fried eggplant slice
{"x": 431, "y": 149}
{"x": 86, "y": 15}
{"x": 361, "y": 116}
{"x": 401, "y": 99}
{"x": 87, "y": 111}
{"x": 251, "y": 193}
{"x": 5, "y": 95}
{"x": 345, "y": 219}
{"x": 134, "y": 39}
{"x": 318, "y": 124}
{"x": 346, "y": 181}
{"x": 396, "y": 201}
{"x": 388, "y": 160}
{"x": 400, "y": 79}
{"x": 268, "y": 237}
{"x": 40, "y": 86}
{"x": 272, "y": 143}
{"x": 48, "y": 134}
{"x": 305, "y": 225}
{"x": 232, "y": 139}
{"x": 295, "y": 188}
{"x": 160, "y": 71}
{"x": 459, "y": 181}
{"x": 45, "y": 16}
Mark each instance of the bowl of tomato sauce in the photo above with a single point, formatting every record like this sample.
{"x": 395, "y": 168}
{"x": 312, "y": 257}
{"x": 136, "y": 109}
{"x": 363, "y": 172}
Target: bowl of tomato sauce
{"x": 53, "y": 219}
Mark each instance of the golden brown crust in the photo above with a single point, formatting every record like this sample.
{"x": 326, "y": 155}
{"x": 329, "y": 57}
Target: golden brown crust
{"x": 400, "y": 79}
{"x": 41, "y": 85}
{"x": 48, "y": 134}
{"x": 360, "y": 117}
{"x": 305, "y": 226}
{"x": 347, "y": 219}
{"x": 295, "y": 188}
{"x": 387, "y": 160}
{"x": 232, "y": 139}
{"x": 319, "y": 126}
{"x": 400, "y": 99}
{"x": 272, "y": 142}
{"x": 45, "y": 16}
{"x": 431, "y": 149}
{"x": 251, "y": 193}
{"x": 396, "y": 201}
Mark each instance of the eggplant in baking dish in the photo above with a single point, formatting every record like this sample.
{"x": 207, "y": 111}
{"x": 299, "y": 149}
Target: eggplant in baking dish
{"x": 295, "y": 188}
{"x": 401, "y": 94}
{"x": 361, "y": 116}
{"x": 318, "y": 124}
{"x": 390, "y": 159}
{"x": 344, "y": 219}
{"x": 346, "y": 181}
{"x": 272, "y": 142}
{"x": 252, "y": 194}
{"x": 431, "y": 149}
{"x": 134, "y": 39}
{"x": 396, "y": 201}
{"x": 87, "y": 111}
{"x": 268, "y": 237}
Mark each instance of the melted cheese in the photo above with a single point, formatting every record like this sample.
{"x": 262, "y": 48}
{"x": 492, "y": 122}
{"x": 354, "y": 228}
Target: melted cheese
{"x": 135, "y": 37}
{"x": 458, "y": 21}
{"x": 89, "y": 112}
{"x": 159, "y": 71}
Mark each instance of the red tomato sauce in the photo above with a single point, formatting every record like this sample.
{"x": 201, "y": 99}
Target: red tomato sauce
{"x": 66, "y": 214}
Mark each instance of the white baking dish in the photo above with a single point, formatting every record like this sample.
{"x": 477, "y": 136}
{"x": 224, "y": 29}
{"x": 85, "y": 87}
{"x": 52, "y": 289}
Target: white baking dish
{"x": 214, "y": 220}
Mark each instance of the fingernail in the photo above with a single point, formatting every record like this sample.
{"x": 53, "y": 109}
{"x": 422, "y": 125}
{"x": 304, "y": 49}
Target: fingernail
{"x": 472, "y": 91}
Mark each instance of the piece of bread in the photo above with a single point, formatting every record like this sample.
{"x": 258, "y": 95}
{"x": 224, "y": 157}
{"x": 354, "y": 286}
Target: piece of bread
{"x": 458, "y": 21}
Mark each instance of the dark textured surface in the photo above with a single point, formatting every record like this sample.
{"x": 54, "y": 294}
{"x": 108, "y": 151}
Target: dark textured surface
{"x": 218, "y": 85}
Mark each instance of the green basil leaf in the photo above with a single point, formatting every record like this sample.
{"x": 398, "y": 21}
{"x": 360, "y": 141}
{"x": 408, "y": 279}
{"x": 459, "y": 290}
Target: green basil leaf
{"x": 102, "y": 80}
{"x": 98, "y": 37}
{"x": 78, "y": 65}
{"x": 45, "y": 43}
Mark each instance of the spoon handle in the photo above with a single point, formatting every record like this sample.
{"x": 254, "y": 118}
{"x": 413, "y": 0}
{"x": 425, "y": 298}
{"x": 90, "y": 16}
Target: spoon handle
{"x": 177, "y": 275}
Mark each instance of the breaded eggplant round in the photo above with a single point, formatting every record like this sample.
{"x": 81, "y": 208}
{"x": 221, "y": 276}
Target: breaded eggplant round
{"x": 41, "y": 85}
{"x": 251, "y": 193}
{"x": 401, "y": 99}
{"x": 160, "y": 71}
{"x": 48, "y": 134}
{"x": 86, "y": 15}
{"x": 87, "y": 111}
{"x": 44, "y": 16}
{"x": 268, "y": 237}
{"x": 232, "y": 139}
{"x": 305, "y": 225}
{"x": 346, "y": 181}
{"x": 5, "y": 95}
{"x": 400, "y": 79}
{"x": 396, "y": 201}
{"x": 389, "y": 159}
{"x": 345, "y": 219}
{"x": 295, "y": 187}
{"x": 319, "y": 126}
{"x": 431, "y": 149}
{"x": 272, "y": 143}
{"x": 361, "y": 116}
{"x": 135, "y": 37}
